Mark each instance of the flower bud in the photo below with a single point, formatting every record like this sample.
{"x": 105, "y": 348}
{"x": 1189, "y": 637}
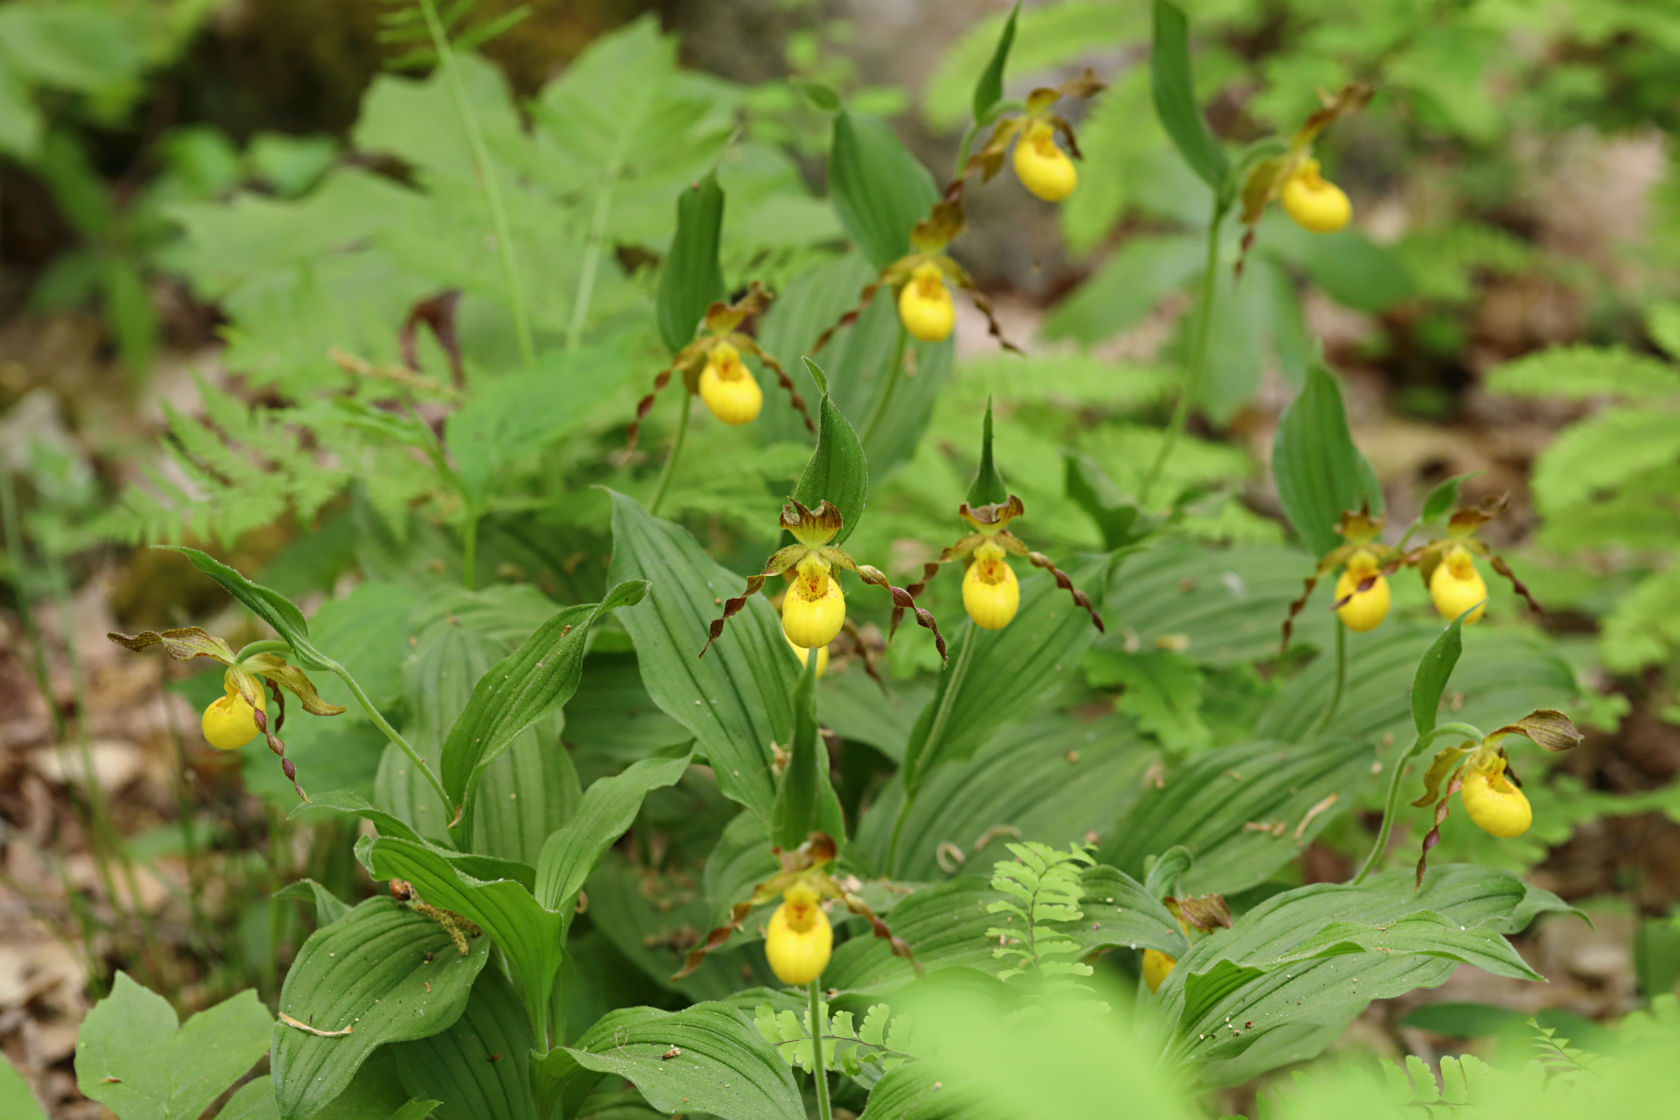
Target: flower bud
{"x": 1315, "y": 203}
{"x": 1497, "y": 806}
{"x": 925, "y": 307}
{"x": 1364, "y": 610}
{"x": 804, "y": 654}
{"x": 991, "y": 593}
{"x": 229, "y": 722}
{"x": 1043, "y": 168}
{"x": 728, "y": 388}
{"x": 1456, "y": 586}
{"x": 799, "y": 940}
{"x": 1156, "y": 965}
{"x": 814, "y": 608}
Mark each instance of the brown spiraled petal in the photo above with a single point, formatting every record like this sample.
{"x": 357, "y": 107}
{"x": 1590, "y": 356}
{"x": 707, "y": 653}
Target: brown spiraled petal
{"x": 714, "y": 940}
{"x": 182, "y": 644}
{"x": 1065, "y": 131}
{"x": 1504, "y": 569}
{"x": 929, "y": 570}
{"x": 984, "y": 306}
{"x": 1365, "y": 584}
{"x": 645, "y": 405}
{"x": 1296, "y": 608}
{"x": 742, "y": 342}
{"x": 871, "y": 664}
{"x": 850, "y": 317}
{"x": 780, "y": 561}
{"x": 903, "y": 600}
{"x": 900, "y": 947}
{"x": 1439, "y": 769}
{"x": 438, "y": 313}
{"x": 1039, "y": 560}
{"x": 1547, "y": 728}
{"x": 1434, "y": 836}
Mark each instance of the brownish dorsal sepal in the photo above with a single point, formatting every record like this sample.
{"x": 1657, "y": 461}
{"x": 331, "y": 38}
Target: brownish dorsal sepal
{"x": 812, "y": 528}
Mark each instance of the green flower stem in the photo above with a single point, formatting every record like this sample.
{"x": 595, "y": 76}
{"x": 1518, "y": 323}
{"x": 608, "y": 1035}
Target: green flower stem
{"x": 821, "y": 1071}
{"x": 391, "y": 733}
{"x": 1392, "y": 804}
{"x": 1198, "y": 355}
{"x": 676, "y": 451}
{"x": 889, "y": 384}
{"x": 591, "y": 265}
{"x": 469, "y": 551}
{"x": 936, "y": 728}
{"x": 487, "y": 177}
{"x": 267, "y": 645}
{"x": 1340, "y": 681}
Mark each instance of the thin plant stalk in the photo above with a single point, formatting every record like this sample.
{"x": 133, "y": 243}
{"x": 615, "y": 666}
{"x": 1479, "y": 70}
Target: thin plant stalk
{"x": 486, "y": 177}
{"x": 670, "y": 469}
{"x": 591, "y": 265}
{"x": 391, "y": 733}
{"x": 1193, "y": 373}
{"x": 1391, "y": 804}
{"x": 821, "y": 1068}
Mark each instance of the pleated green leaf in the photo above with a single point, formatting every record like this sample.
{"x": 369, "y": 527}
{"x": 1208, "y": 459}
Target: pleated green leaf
{"x": 1320, "y": 474}
{"x": 1175, "y": 97}
{"x": 1242, "y": 811}
{"x": 1433, "y": 672}
{"x": 266, "y": 603}
{"x": 837, "y": 471}
{"x": 690, "y": 277}
{"x": 878, "y": 188}
{"x": 707, "y": 1058}
{"x": 736, "y": 700}
{"x": 479, "y": 1066}
{"x": 384, "y": 972}
{"x": 989, "y": 89}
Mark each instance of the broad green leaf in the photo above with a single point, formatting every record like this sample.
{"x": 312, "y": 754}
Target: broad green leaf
{"x": 738, "y": 699}
{"x": 1175, "y": 97}
{"x": 988, "y": 487}
{"x": 878, "y": 188}
{"x": 1242, "y": 811}
{"x": 1319, "y": 473}
{"x": 253, "y": 1101}
{"x": 386, "y": 972}
{"x": 17, "y": 1100}
{"x": 1297, "y": 1008}
{"x": 1052, "y": 778}
{"x": 270, "y": 606}
{"x": 1503, "y": 674}
{"x": 608, "y": 808}
{"x": 721, "y": 1066}
{"x": 1433, "y": 672}
{"x": 837, "y": 471}
{"x": 989, "y": 89}
{"x": 1161, "y": 688}
{"x": 531, "y": 938}
{"x": 327, "y": 906}
{"x": 945, "y": 926}
{"x": 805, "y": 799}
{"x": 479, "y": 1066}
{"x": 1007, "y": 671}
{"x": 535, "y": 681}
{"x": 1120, "y": 518}
{"x": 137, "y": 1059}
{"x": 1347, "y": 266}
{"x": 690, "y": 278}
{"x": 914, "y": 1092}
{"x": 1426, "y": 933}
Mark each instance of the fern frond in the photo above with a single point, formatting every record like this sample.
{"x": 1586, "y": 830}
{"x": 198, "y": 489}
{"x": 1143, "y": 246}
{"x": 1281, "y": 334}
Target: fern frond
{"x": 864, "y": 1053}
{"x": 1578, "y": 372}
{"x": 1047, "y": 884}
{"x": 1603, "y": 452}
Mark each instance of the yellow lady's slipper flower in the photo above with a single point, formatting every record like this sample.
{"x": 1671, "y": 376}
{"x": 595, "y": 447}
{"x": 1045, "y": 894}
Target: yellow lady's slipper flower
{"x": 1043, "y": 168}
{"x": 925, "y": 307}
{"x": 230, "y": 721}
{"x": 1315, "y": 203}
{"x": 1494, "y": 804}
{"x": 800, "y": 939}
{"x": 1362, "y": 610}
{"x": 1156, "y": 965}
{"x": 727, "y": 387}
{"x": 1455, "y": 585}
{"x": 814, "y": 609}
{"x": 711, "y": 367}
{"x": 991, "y": 593}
